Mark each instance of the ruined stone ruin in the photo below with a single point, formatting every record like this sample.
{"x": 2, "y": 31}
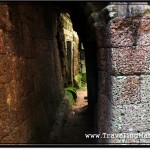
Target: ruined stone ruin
{"x": 34, "y": 69}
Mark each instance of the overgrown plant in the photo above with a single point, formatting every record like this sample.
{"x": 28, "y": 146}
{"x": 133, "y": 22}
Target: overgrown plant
{"x": 71, "y": 92}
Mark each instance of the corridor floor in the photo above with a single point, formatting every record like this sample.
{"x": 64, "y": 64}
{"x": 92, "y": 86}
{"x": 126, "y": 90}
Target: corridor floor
{"x": 77, "y": 124}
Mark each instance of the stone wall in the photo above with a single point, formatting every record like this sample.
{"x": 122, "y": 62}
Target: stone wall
{"x": 62, "y": 49}
{"x": 70, "y": 53}
{"x": 30, "y": 75}
{"x": 75, "y": 54}
{"x": 31, "y": 78}
{"x": 124, "y": 47}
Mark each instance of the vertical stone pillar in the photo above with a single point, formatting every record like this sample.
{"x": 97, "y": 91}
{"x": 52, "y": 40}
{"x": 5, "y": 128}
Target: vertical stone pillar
{"x": 70, "y": 57}
{"x": 124, "y": 108}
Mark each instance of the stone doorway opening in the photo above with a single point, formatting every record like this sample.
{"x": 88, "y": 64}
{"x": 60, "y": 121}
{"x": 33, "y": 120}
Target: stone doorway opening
{"x": 74, "y": 56}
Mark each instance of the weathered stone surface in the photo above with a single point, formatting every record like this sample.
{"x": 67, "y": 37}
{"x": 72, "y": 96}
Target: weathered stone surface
{"x": 1, "y": 42}
{"x": 104, "y": 105}
{"x": 125, "y": 90}
{"x": 61, "y": 117}
{"x": 103, "y": 84}
{"x": 130, "y": 60}
{"x": 135, "y": 113}
{"x": 131, "y": 140}
{"x": 132, "y": 109}
{"x": 130, "y": 118}
{"x": 135, "y": 127}
{"x": 116, "y": 118}
{"x": 131, "y": 89}
{"x": 104, "y": 115}
{"x": 102, "y": 53}
{"x": 30, "y": 73}
{"x": 144, "y": 32}
{"x": 127, "y": 9}
{"x": 8, "y": 64}
{"x": 144, "y": 88}
{"x": 124, "y": 42}
{"x": 10, "y": 119}
{"x": 76, "y": 55}
{"x": 19, "y": 134}
{"x": 4, "y": 18}
{"x": 145, "y": 137}
{"x": 121, "y": 32}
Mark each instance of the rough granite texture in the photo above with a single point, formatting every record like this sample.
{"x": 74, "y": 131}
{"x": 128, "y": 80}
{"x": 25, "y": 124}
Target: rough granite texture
{"x": 124, "y": 75}
{"x": 123, "y": 32}
{"x": 31, "y": 86}
{"x": 130, "y": 60}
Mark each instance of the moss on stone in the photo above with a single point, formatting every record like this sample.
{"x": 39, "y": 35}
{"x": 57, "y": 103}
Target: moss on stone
{"x": 77, "y": 79}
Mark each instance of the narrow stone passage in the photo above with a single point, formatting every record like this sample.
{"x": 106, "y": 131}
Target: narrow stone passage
{"x": 77, "y": 124}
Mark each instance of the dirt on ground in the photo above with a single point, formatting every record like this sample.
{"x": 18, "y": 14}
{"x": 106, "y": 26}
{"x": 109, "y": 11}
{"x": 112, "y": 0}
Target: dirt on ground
{"x": 77, "y": 124}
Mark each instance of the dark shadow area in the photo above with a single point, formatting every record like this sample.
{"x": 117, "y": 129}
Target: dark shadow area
{"x": 77, "y": 125}
{"x": 36, "y": 90}
{"x": 79, "y": 19}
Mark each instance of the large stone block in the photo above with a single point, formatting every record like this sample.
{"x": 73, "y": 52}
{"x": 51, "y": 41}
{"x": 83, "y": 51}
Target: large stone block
{"x": 103, "y": 82}
{"x": 131, "y": 89}
{"x": 125, "y": 9}
{"x": 144, "y": 32}
{"x": 1, "y": 42}
{"x": 6, "y": 43}
{"x": 125, "y": 90}
{"x": 23, "y": 69}
{"x": 130, "y": 60}
{"x": 136, "y": 127}
{"x": 4, "y": 18}
{"x": 120, "y": 32}
{"x": 116, "y": 118}
{"x": 20, "y": 134}
{"x": 144, "y": 88}
{"x": 136, "y": 113}
{"x": 7, "y": 65}
{"x": 3, "y": 105}
{"x": 130, "y": 118}
{"x": 10, "y": 119}
{"x": 123, "y": 32}
{"x": 102, "y": 58}
{"x": 26, "y": 9}
{"x": 103, "y": 104}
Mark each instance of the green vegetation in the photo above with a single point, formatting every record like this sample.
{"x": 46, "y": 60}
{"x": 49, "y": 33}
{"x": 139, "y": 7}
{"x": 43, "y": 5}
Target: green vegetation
{"x": 77, "y": 79}
{"x": 80, "y": 80}
{"x": 84, "y": 77}
{"x": 71, "y": 92}
{"x": 80, "y": 83}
